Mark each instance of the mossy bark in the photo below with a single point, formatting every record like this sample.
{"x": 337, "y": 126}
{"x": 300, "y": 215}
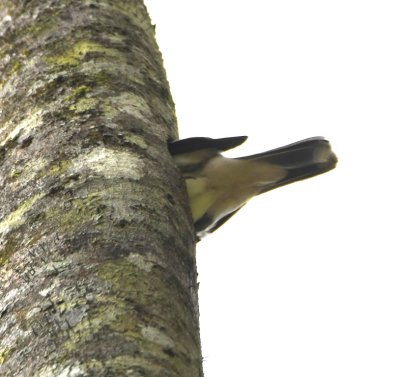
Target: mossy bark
{"x": 97, "y": 264}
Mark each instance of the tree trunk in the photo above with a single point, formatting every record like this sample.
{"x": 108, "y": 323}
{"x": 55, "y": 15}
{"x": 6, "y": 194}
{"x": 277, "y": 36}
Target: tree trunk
{"x": 97, "y": 263}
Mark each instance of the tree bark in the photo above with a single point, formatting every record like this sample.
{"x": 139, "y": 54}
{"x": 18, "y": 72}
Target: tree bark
{"x": 97, "y": 263}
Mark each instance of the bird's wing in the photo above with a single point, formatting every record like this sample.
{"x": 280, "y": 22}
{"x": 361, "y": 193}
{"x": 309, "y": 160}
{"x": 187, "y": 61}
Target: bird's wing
{"x": 202, "y": 225}
{"x": 193, "y": 144}
{"x": 191, "y": 154}
{"x": 301, "y": 160}
{"x": 287, "y": 150}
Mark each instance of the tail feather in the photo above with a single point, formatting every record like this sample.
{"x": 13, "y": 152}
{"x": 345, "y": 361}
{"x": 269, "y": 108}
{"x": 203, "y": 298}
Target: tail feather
{"x": 301, "y": 160}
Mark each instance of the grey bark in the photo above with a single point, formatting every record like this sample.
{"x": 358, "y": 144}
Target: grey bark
{"x": 97, "y": 263}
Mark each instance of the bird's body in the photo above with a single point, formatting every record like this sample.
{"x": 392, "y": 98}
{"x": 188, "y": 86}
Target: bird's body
{"x": 225, "y": 184}
{"x": 219, "y": 186}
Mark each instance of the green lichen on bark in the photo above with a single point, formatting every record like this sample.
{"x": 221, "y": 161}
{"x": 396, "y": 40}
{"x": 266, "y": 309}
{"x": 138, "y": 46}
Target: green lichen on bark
{"x": 9, "y": 247}
{"x": 16, "y": 217}
{"x": 73, "y": 55}
{"x": 5, "y": 353}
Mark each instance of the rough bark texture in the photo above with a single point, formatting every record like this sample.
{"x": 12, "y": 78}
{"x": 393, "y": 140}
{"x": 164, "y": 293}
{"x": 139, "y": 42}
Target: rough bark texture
{"x": 97, "y": 267}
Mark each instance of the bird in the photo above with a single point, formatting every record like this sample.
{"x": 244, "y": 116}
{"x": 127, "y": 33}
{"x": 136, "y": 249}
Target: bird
{"x": 219, "y": 186}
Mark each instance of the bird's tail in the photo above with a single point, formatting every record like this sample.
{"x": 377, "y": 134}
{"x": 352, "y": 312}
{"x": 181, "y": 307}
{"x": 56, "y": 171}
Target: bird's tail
{"x": 303, "y": 159}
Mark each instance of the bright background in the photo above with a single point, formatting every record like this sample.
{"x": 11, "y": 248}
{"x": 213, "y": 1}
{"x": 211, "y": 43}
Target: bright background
{"x": 305, "y": 280}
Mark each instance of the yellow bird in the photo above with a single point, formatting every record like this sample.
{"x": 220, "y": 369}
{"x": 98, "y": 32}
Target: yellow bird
{"x": 218, "y": 186}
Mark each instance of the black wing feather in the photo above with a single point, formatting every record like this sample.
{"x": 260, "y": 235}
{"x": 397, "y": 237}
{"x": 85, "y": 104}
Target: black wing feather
{"x": 197, "y": 143}
{"x": 204, "y": 222}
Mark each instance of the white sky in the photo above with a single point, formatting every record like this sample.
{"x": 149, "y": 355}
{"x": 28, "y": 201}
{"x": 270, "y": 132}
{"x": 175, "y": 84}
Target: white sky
{"x": 305, "y": 280}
